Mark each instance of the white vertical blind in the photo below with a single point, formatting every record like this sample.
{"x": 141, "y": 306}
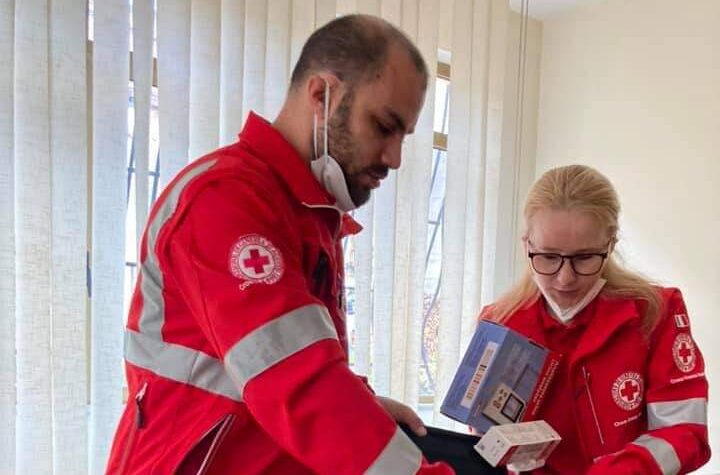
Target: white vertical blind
{"x": 477, "y": 150}
{"x": 232, "y": 43}
{"x": 369, "y": 7}
{"x": 32, "y": 243}
{"x": 363, "y": 288}
{"x": 363, "y": 264}
{"x": 462, "y": 246}
{"x": 345, "y": 7}
{"x": 142, "y": 61}
{"x": 384, "y": 225}
{"x": 493, "y": 161}
{"x": 302, "y": 24}
{"x": 204, "y": 77}
{"x": 173, "y": 43}
{"x": 325, "y": 10}
{"x": 32, "y": 238}
{"x": 254, "y": 61}
{"x": 419, "y": 17}
{"x": 453, "y": 238}
{"x": 7, "y": 239}
{"x": 109, "y": 112}
{"x": 277, "y": 72}
{"x": 404, "y": 330}
{"x": 69, "y": 146}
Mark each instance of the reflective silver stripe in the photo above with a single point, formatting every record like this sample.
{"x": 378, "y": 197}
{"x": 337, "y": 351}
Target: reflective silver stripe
{"x": 277, "y": 340}
{"x": 151, "y": 280}
{"x": 663, "y": 453}
{"x": 688, "y": 411}
{"x": 399, "y": 457}
{"x": 180, "y": 364}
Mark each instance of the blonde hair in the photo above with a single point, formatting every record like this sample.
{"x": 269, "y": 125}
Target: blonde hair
{"x": 581, "y": 188}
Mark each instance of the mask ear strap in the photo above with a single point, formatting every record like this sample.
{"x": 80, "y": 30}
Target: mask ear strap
{"x": 327, "y": 119}
{"x": 315, "y": 121}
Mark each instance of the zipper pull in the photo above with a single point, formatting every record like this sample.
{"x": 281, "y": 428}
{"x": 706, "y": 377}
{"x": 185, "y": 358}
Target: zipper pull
{"x": 319, "y": 274}
{"x": 139, "y": 418}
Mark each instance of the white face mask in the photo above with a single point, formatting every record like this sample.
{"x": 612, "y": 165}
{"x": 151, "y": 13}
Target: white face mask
{"x": 566, "y": 314}
{"x": 325, "y": 168}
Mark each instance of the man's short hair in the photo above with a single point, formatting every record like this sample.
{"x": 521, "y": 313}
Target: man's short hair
{"x": 354, "y": 48}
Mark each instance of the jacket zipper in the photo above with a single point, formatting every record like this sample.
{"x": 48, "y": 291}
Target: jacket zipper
{"x": 224, "y": 428}
{"x": 139, "y": 424}
{"x": 586, "y": 377}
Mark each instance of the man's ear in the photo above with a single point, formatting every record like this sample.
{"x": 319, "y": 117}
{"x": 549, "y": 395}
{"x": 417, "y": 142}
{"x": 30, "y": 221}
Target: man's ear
{"x": 316, "y": 86}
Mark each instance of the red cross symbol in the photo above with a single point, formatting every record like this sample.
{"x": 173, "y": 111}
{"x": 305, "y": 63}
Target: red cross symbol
{"x": 629, "y": 389}
{"x": 685, "y": 353}
{"x": 256, "y": 262}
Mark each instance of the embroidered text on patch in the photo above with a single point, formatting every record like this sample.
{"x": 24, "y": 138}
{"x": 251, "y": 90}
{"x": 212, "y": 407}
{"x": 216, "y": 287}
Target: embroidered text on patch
{"x": 627, "y": 391}
{"x": 255, "y": 260}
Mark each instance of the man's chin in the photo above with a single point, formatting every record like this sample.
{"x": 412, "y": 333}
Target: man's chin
{"x": 360, "y": 197}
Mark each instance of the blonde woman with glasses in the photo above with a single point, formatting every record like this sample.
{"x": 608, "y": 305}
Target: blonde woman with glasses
{"x": 630, "y": 396}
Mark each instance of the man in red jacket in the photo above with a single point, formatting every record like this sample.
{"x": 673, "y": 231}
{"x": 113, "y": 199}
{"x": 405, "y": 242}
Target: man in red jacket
{"x": 236, "y": 347}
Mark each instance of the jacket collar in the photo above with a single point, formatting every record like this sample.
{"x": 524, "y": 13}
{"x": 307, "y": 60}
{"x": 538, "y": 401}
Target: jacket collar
{"x": 608, "y": 316}
{"x": 268, "y": 144}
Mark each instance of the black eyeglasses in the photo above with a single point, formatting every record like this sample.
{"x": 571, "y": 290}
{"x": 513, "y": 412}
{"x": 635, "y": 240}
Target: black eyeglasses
{"x": 550, "y": 263}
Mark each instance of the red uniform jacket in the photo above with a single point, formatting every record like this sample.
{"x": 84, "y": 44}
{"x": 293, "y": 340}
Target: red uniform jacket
{"x": 623, "y": 403}
{"x": 236, "y": 351}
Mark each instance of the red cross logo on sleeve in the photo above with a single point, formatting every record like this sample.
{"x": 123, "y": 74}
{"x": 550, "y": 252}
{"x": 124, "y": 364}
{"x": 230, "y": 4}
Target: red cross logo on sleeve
{"x": 257, "y": 261}
{"x": 254, "y": 259}
{"x": 684, "y": 352}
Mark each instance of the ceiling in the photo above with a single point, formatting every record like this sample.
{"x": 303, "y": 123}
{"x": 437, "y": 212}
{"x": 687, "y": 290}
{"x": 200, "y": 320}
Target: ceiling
{"x": 544, "y": 9}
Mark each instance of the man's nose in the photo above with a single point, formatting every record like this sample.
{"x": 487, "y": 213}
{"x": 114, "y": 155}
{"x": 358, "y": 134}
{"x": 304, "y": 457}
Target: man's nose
{"x": 392, "y": 153}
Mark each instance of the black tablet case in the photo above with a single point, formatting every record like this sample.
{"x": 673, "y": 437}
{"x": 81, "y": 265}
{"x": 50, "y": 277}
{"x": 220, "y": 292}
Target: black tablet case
{"x": 454, "y": 448}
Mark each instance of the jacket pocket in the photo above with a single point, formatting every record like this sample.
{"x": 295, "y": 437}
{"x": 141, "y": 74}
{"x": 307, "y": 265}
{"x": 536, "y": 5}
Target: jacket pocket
{"x": 135, "y": 428}
{"x": 199, "y": 458}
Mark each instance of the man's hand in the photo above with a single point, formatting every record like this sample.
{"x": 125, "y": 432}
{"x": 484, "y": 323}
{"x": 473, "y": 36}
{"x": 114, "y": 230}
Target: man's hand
{"x": 403, "y": 415}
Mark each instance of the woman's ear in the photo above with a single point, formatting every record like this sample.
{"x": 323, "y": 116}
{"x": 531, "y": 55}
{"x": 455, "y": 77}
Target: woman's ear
{"x": 613, "y": 241}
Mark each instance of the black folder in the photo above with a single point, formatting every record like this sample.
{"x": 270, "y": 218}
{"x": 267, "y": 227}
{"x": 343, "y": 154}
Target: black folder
{"x": 455, "y": 449}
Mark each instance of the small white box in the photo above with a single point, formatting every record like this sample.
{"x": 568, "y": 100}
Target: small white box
{"x": 522, "y": 446}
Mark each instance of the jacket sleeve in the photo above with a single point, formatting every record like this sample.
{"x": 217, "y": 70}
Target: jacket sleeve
{"x": 676, "y": 403}
{"x": 237, "y": 258}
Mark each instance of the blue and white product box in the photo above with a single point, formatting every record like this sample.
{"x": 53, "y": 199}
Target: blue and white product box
{"x": 502, "y": 379}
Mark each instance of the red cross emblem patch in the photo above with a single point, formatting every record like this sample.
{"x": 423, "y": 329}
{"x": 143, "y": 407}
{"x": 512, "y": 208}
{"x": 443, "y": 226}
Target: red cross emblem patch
{"x": 255, "y": 260}
{"x": 627, "y": 390}
{"x": 684, "y": 352}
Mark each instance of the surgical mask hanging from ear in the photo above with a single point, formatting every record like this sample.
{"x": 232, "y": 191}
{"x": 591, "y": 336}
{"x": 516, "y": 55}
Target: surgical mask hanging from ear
{"x": 325, "y": 168}
{"x": 566, "y": 314}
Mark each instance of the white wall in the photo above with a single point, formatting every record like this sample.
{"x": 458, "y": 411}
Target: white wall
{"x": 632, "y": 87}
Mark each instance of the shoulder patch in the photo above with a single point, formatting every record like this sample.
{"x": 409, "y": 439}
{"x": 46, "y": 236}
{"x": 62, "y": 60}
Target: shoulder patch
{"x": 681, "y": 320}
{"x": 684, "y": 352}
{"x": 255, "y": 260}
